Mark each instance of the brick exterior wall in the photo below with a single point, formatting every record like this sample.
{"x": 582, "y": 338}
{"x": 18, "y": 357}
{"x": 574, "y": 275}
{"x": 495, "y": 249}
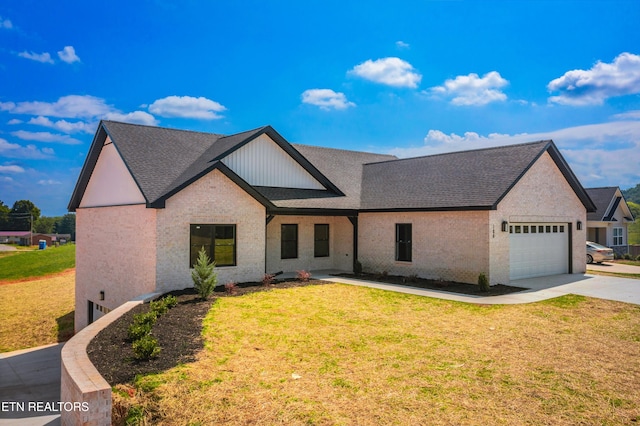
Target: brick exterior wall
{"x": 115, "y": 252}
{"x": 340, "y": 244}
{"x": 541, "y": 195}
{"x": 212, "y": 199}
{"x": 447, "y": 245}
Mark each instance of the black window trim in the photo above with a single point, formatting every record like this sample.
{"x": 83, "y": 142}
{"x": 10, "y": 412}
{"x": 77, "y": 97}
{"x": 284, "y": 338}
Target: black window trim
{"x": 213, "y": 243}
{"x": 282, "y": 241}
{"x": 406, "y": 244}
{"x": 324, "y": 242}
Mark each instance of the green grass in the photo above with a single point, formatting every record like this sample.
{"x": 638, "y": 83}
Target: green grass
{"x": 634, "y": 232}
{"x": 336, "y": 354}
{"x": 37, "y": 263}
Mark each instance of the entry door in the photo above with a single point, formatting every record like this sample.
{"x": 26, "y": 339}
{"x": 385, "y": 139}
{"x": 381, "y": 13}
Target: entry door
{"x": 538, "y": 249}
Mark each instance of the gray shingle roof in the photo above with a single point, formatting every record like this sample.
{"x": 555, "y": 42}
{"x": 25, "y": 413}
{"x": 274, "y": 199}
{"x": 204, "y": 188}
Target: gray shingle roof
{"x": 163, "y": 161}
{"x": 469, "y": 179}
{"x": 602, "y": 198}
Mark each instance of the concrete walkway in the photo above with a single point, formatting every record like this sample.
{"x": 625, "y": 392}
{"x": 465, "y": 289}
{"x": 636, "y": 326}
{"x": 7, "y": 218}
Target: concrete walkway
{"x": 29, "y": 379}
{"x": 541, "y": 288}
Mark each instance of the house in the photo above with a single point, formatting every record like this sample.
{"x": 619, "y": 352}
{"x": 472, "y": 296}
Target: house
{"x": 51, "y": 239}
{"x": 15, "y": 237}
{"x": 149, "y": 198}
{"x": 608, "y": 224}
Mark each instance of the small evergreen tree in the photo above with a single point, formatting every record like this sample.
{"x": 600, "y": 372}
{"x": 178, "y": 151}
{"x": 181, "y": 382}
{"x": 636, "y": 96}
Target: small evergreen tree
{"x": 204, "y": 275}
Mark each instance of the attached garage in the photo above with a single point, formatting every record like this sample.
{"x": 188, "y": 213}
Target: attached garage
{"x": 538, "y": 249}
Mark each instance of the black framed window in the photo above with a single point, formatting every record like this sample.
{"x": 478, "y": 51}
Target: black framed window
{"x": 219, "y": 241}
{"x": 321, "y": 240}
{"x": 288, "y": 241}
{"x": 403, "y": 242}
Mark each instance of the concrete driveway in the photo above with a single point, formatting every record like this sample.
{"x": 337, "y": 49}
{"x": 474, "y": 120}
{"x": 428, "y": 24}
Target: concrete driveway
{"x": 614, "y": 267}
{"x": 29, "y": 379}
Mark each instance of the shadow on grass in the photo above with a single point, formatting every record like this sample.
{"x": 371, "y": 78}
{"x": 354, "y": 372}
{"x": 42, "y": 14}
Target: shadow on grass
{"x": 65, "y": 326}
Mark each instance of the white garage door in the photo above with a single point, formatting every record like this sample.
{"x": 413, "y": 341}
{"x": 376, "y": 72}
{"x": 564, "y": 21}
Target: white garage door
{"x": 538, "y": 249}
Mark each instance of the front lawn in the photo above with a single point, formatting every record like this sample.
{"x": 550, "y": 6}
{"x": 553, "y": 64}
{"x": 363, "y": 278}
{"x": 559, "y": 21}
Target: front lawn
{"x": 36, "y": 312}
{"x": 338, "y": 354}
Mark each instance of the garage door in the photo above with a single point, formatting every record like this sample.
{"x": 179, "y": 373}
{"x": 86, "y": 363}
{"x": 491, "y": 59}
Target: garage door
{"x": 538, "y": 249}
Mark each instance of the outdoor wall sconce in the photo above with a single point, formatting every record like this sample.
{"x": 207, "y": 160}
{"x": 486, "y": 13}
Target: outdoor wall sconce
{"x": 505, "y": 226}
{"x": 101, "y": 294}
{"x": 579, "y": 225}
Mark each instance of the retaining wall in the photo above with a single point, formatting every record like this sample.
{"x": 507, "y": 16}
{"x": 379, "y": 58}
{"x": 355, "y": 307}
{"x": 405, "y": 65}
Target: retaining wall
{"x": 80, "y": 380}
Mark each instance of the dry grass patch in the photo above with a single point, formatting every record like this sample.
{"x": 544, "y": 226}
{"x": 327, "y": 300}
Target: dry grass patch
{"x": 36, "y": 312}
{"x": 339, "y": 354}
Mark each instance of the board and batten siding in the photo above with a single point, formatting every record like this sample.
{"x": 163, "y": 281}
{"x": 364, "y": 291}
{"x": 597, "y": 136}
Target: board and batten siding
{"x": 111, "y": 183}
{"x": 262, "y": 162}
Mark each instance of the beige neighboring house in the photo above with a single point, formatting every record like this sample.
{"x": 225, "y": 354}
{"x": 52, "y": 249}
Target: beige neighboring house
{"x": 608, "y": 225}
{"x": 149, "y": 198}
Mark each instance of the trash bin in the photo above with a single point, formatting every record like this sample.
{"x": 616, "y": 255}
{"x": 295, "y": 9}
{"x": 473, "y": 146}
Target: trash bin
{"x": 42, "y": 244}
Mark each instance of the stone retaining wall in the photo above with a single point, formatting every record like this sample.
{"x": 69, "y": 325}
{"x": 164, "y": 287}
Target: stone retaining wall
{"x": 80, "y": 381}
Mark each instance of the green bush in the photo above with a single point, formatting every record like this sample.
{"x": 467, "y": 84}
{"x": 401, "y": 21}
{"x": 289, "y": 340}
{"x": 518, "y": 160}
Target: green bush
{"x": 158, "y": 306}
{"x": 170, "y": 301}
{"x": 138, "y": 331}
{"x": 626, "y": 256}
{"x": 145, "y": 348}
{"x": 204, "y": 275}
{"x": 145, "y": 318}
{"x": 483, "y": 282}
{"x": 638, "y": 258}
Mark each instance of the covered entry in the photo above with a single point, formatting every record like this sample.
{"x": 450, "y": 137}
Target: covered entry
{"x": 538, "y": 249}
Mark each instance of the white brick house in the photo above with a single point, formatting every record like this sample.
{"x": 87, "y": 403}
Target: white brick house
{"x": 608, "y": 224}
{"x": 149, "y": 198}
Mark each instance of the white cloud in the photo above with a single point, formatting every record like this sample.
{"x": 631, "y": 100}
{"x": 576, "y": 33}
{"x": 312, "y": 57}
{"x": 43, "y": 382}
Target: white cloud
{"x": 49, "y": 182}
{"x": 5, "y": 23}
{"x": 45, "y": 137}
{"x": 602, "y": 81}
{"x": 6, "y": 179}
{"x": 326, "y": 99}
{"x": 11, "y": 169}
{"x": 63, "y": 125}
{"x": 629, "y": 115}
{"x": 473, "y": 90}
{"x": 68, "y": 55}
{"x": 135, "y": 117}
{"x": 15, "y": 121}
{"x": 390, "y": 71}
{"x": 70, "y": 106}
{"x": 40, "y": 57}
{"x": 599, "y": 154}
{"x": 14, "y": 150}
{"x": 187, "y": 107}
{"x": 402, "y": 45}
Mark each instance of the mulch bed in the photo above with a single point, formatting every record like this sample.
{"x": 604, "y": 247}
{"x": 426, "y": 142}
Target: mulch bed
{"x": 179, "y": 331}
{"x": 179, "y": 334}
{"x": 440, "y": 285}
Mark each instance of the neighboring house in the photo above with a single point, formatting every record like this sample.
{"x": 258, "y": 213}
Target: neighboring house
{"x": 149, "y": 198}
{"x": 608, "y": 224}
{"x": 15, "y": 237}
{"x": 51, "y": 239}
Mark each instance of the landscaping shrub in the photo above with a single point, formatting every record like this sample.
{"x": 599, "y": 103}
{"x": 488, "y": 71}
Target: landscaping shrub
{"x": 638, "y": 258}
{"x": 145, "y": 348}
{"x": 138, "y": 331}
{"x": 626, "y": 256}
{"x": 268, "y": 279}
{"x": 483, "y": 282}
{"x": 158, "y": 306}
{"x": 303, "y": 276}
{"x": 204, "y": 275}
{"x": 145, "y": 318}
{"x": 170, "y": 301}
{"x": 231, "y": 287}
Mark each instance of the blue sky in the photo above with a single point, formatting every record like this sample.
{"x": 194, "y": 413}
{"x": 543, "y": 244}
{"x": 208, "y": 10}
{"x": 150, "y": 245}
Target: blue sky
{"x": 408, "y": 78}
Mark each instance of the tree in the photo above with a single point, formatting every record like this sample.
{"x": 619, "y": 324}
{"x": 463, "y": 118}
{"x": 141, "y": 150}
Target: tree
{"x": 21, "y": 215}
{"x": 67, "y": 225}
{"x": 4, "y": 216}
{"x": 204, "y": 275}
{"x": 632, "y": 194}
{"x": 45, "y": 225}
{"x": 635, "y": 209}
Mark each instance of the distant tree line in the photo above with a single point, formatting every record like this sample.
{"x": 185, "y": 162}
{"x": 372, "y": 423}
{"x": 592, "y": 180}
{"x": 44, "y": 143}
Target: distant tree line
{"x": 24, "y": 214}
{"x": 632, "y": 194}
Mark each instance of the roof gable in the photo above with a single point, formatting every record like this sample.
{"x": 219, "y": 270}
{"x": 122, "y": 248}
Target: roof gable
{"x": 607, "y": 200}
{"x": 468, "y": 180}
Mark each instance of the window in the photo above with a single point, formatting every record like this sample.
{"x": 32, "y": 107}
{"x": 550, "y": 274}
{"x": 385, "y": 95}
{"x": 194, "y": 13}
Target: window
{"x": 288, "y": 241}
{"x": 219, "y": 241}
{"x": 321, "y": 240}
{"x": 403, "y": 242}
{"x": 617, "y": 236}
